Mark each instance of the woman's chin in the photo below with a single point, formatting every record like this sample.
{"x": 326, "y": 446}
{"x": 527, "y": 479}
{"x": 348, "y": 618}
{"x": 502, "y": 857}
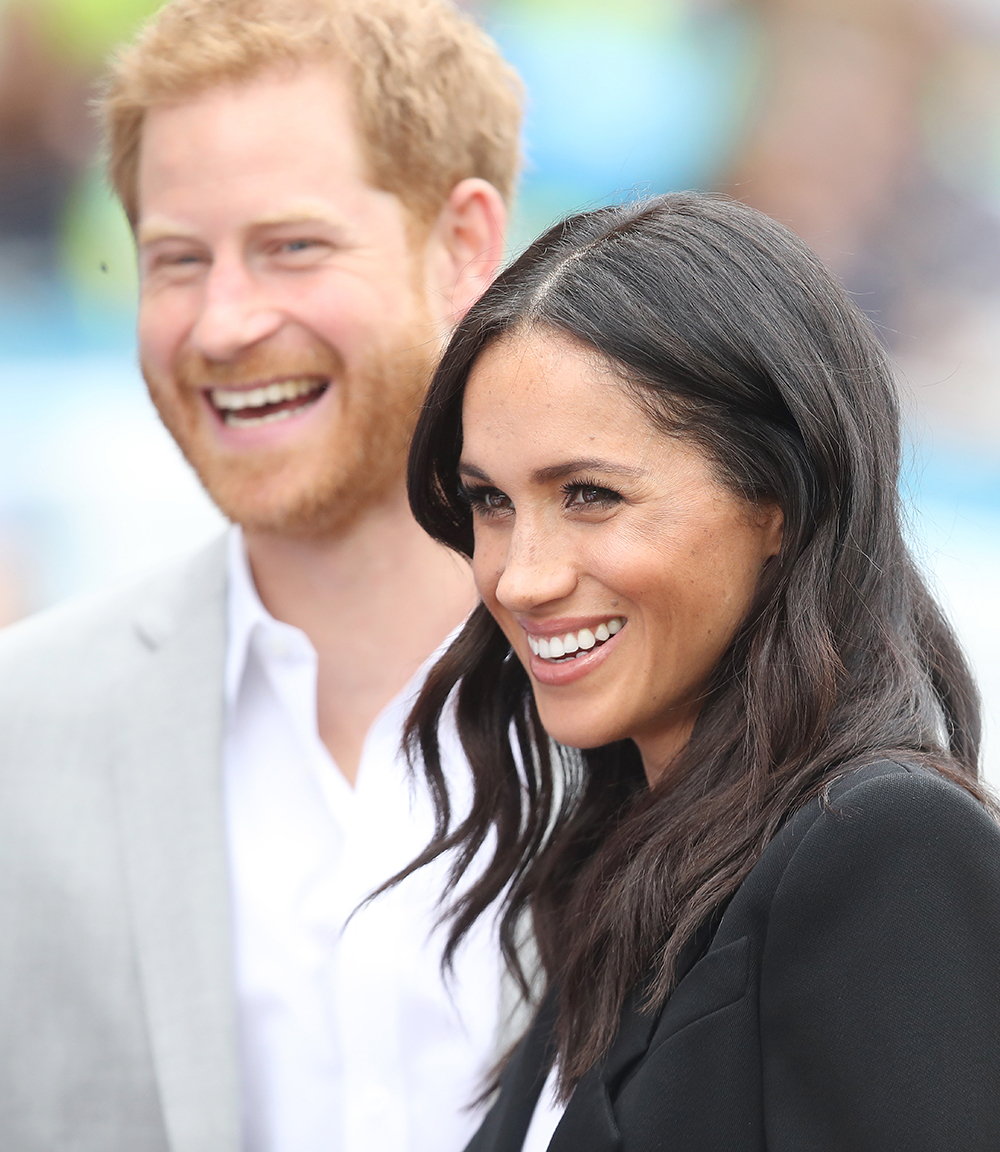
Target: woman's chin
{"x": 581, "y": 734}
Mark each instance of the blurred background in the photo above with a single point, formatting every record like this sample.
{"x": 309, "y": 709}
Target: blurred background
{"x": 871, "y": 127}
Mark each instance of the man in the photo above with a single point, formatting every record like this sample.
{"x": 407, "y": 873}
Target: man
{"x": 200, "y": 776}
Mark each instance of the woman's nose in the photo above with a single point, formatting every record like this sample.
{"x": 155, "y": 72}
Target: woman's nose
{"x": 539, "y": 569}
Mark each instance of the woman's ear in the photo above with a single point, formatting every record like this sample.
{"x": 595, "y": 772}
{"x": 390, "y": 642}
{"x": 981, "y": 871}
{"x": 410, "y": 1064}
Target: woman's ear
{"x": 772, "y": 521}
{"x": 467, "y": 246}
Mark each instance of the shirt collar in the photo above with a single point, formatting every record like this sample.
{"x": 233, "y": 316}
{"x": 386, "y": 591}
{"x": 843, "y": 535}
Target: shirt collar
{"x": 245, "y": 612}
{"x": 248, "y": 616}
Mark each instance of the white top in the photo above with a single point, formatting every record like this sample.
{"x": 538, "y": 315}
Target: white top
{"x": 350, "y": 1040}
{"x": 545, "y": 1118}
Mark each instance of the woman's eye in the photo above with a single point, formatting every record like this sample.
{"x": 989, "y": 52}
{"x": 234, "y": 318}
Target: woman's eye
{"x": 590, "y": 496}
{"x": 487, "y": 501}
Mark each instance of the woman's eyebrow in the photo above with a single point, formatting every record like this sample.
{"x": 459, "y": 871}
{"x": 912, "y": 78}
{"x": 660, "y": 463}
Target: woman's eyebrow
{"x": 471, "y": 470}
{"x": 590, "y": 464}
{"x": 566, "y": 468}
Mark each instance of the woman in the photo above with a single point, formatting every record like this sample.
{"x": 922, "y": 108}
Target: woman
{"x": 741, "y": 807}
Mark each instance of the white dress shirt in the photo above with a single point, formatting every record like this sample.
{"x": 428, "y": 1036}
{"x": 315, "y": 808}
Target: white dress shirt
{"x": 351, "y": 1041}
{"x": 545, "y": 1118}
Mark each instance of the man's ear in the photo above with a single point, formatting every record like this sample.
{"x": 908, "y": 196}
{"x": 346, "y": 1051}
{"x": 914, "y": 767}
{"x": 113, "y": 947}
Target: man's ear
{"x": 465, "y": 248}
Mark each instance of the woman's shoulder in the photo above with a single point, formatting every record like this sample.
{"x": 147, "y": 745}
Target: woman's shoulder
{"x": 891, "y": 800}
{"x": 880, "y": 829}
{"x": 876, "y": 965}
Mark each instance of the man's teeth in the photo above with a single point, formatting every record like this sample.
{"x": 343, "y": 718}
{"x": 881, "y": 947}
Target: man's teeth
{"x": 229, "y": 401}
{"x": 241, "y": 421}
{"x": 232, "y": 401}
{"x": 555, "y": 647}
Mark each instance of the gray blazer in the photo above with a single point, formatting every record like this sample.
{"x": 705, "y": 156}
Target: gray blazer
{"x": 117, "y": 1000}
{"x": 117, "y": 1012}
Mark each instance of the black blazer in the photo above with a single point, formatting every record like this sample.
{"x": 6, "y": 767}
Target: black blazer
{"x": 848, "y": 1001}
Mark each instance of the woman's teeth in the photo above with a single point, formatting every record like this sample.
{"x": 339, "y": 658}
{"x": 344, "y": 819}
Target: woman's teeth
{"x": 559, "y": 647}
{"x": 264, "y": 405}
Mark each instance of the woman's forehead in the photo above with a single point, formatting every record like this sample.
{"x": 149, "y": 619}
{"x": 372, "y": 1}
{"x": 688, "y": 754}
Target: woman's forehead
{"x": 543, "y": 366}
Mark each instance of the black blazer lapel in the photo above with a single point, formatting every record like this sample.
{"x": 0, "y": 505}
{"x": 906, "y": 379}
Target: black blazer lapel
{"x": 588, "y": 1124}
{"x": 506, "y": 1124}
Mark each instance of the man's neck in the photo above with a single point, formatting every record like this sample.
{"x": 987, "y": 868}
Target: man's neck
{"x": 374, "y": 601}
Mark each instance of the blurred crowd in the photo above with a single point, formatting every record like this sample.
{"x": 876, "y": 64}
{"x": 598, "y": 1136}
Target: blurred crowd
{"x": 872, "y": 127}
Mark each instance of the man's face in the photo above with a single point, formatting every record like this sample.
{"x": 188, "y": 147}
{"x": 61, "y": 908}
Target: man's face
{"x": 285, "y": 332}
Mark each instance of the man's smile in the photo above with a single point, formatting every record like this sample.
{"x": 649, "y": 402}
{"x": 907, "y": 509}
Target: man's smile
{"x": 265, "y": 403}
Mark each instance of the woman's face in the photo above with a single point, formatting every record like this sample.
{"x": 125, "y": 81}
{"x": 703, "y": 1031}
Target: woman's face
{"x": 613, "y": 559}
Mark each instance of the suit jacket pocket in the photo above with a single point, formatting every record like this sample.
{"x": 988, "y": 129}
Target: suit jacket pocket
{"x": 717, "y": 980}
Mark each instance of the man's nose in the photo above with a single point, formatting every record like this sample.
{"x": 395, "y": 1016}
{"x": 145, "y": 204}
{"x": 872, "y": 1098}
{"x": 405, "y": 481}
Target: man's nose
{"x": 235, "y": 312}
{"x": 540, "y": 568}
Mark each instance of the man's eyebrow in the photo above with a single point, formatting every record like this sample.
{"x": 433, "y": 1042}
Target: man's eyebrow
{"x": 296, "y": 219}
{"x": 158, "y": 230}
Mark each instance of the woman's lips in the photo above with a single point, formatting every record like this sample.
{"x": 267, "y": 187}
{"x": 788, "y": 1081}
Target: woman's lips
{"x": 559, "y": 671}
{"x": 561, "y": 645}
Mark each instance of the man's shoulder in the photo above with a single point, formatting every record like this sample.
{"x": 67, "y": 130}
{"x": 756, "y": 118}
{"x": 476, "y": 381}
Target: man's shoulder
{"x": 82, "y": 636}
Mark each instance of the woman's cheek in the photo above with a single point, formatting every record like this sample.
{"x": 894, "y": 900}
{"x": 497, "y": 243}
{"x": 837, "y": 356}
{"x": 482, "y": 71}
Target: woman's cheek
{"x": 487, "y": 568}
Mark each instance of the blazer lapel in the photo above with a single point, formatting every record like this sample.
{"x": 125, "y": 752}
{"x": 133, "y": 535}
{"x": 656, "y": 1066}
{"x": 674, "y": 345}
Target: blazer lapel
{"x": 169, "y": 781}
{"x": 589, "y": 1125}
{"x": 506, "y": 1124}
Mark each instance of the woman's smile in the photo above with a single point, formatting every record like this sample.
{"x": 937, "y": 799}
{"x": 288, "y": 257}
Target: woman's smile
{"x": 556, "y": 645}
{"x": 559, "y": 657}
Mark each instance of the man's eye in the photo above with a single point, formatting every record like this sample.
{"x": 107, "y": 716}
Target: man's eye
{"x": 176, "y": 260}
{"x": 293, "y": 246}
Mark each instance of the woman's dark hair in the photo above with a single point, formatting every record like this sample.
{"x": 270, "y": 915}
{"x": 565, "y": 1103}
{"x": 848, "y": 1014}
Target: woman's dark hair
{"x": 729, "y": 332}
